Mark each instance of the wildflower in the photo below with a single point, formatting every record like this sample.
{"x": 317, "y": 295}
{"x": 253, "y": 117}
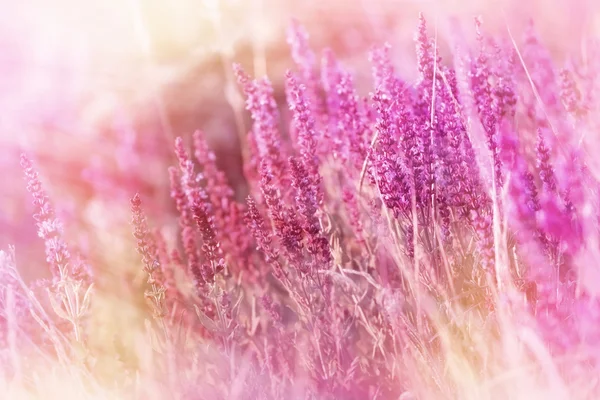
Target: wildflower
{"x": 146, "y": 246}
{"x": 284, "y": 220}
{"x": 544, "y": 164}
{"x": 261, "y": 103}
{"x": 70, "y": 293}
{"x": 482, "y": 93}
{"x": 211, "y": 248}
{"x": 263, "y": 238}
{"x": 307, "y": 134}
{"x": 188, "y": 235}
{"x": 305, "y": 59}
{"x": 570, "y": 93}
{"x": 50, "y": 229}
{"x": 307, "y": 205}
{"x": 391, "y": 177}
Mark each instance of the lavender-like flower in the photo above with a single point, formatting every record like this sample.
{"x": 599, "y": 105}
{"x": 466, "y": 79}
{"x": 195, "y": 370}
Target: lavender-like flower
{"x": 211, "y": 248}
{"x": 284, "y": 220}
{"x": 392, "y": 180}
{"x": 307, "y": 133}
{"x": 486, "y": 107}
{"x": 307, "y": 205}
{"x": 305, "y": 60}
{"x": 147, "y": 248}
{"x": 261, "y": 103}
{"x": 50, "y": 229}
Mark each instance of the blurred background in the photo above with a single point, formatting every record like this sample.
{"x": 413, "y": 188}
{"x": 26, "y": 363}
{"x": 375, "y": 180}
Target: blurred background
{"x": 97, "y": 91}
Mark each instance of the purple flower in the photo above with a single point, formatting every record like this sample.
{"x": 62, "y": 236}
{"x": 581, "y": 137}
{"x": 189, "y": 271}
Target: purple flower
{"x": 50, "y": 229}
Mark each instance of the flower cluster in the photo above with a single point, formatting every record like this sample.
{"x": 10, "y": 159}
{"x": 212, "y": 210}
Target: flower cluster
{"x": 390, "y": 245}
